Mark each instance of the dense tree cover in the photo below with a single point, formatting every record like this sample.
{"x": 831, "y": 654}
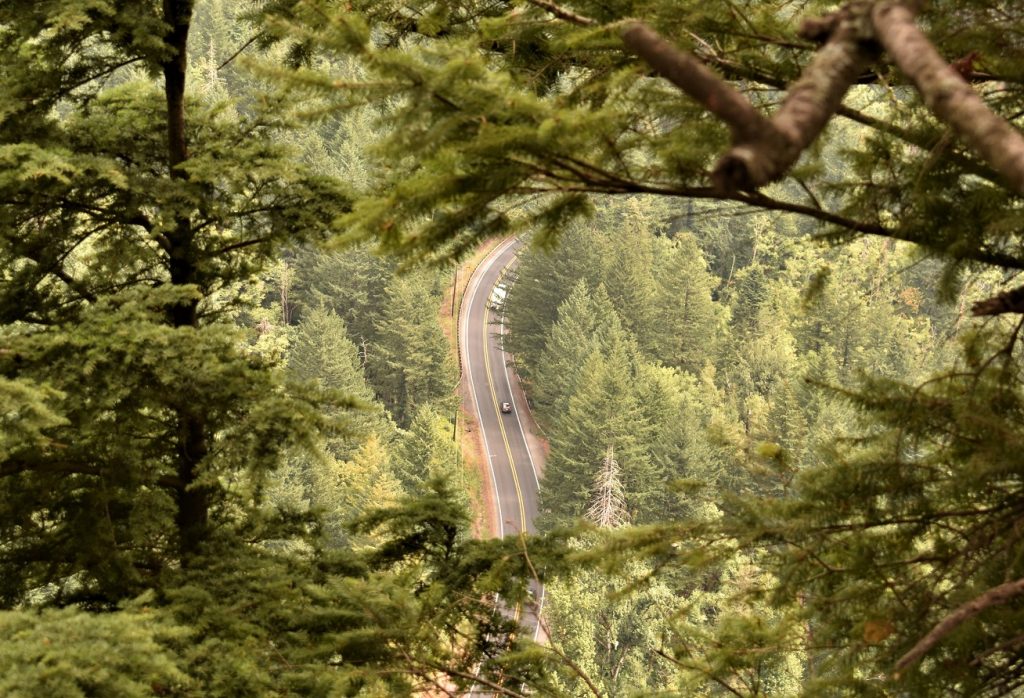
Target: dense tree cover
{"x": 161, "y": 472}
{"x": 182, "y": 459}
{"x": 118, "y": 241}
{"x": 391, "y": 317}
{"x": 740, "y": 422}
{"x": 885, "y": 522}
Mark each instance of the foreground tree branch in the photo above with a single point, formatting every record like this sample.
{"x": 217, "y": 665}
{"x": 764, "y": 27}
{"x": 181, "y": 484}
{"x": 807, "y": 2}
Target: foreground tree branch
{"x": 764, "y": 150}
{"x": 993, "y": 597}
{"x": 948, "y": 95}
{"x": 809, "y": 105}
{"x": 563, "y": 13}
{"x": 1011, "y": 301}
{"x": 736, "y": 71}
{"x": 698, "y": 81}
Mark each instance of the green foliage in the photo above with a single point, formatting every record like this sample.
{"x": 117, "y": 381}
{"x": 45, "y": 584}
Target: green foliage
{"x": 175, "y": 507}
{"x": 603, "y": 409}
{"x": 28, "y": 415}
{"x": 89, "y": 512}
{"x": 426, "y": 547}
{"x": 428, "y": 451}
{"x": 612, "y": 632}
{"x": 548, "y": 278}
{"x": 718, "y": 437}
{"x": 322, "y": 353}
{"x": 684, "y": 303}
{"x": 120, "y": 260}
{"x": 353, "y": 283}
{"x": 901, "y": 547}
{"x": 584, "y": 322}
{"x": 414, "y": 366}
{"x": 863, "y": 514}
{"x": 822, "y": 533}
{"x": 392, "y": 318}
{"x": 727, "y": 637}
{"x": 71, "y": 653}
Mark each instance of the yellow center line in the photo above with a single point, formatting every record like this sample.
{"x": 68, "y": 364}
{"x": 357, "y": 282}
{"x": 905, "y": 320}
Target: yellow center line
{"x": 504, "y": 436}
{"x": 501, "y": 427}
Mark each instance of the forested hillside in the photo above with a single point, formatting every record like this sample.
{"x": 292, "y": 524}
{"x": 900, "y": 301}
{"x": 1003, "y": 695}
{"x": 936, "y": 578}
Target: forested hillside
{"x": 709, "y": 383}
{"x": 767, "y": 319}
{"x": 627, "y": 338}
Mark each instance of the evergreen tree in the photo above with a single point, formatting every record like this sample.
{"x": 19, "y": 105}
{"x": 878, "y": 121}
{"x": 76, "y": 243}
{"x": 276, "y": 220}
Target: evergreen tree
{"x": 690, "y": 326}
{"x": 602, "y": 409}
{"x": 629, "y": 276}
{"x": 414, "y": 366}
{"x": 353, "y": 283}
{"x": 130, "y": 211}
{"x": 572, "y": 339}
{"x": 428, "y": 451}
{"x": 68, "y": 652}
{"x": 612, "y": 631}
{"x": 342, "y": 491}
{"x": 587, "y": 321}
{"x": 143, "y": 429}
{"x": 323, "y": 354}
{"x": 549, "y": 276}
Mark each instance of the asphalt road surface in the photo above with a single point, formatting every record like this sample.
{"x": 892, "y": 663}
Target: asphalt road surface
{"x": 514, "y": 467}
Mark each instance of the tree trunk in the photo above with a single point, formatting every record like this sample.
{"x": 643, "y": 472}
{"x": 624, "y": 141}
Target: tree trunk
{"x": 193, "y": 502}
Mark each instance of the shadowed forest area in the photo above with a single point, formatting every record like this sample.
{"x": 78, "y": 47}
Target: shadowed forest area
{"x": 766, "y": 316}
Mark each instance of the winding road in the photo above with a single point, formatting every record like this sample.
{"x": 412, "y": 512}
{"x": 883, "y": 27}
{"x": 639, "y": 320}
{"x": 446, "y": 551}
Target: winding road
{"x": 514, "y": 459}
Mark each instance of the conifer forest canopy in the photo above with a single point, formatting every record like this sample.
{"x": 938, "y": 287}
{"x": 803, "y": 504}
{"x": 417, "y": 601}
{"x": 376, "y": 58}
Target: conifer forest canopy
{"x": 768, "y": 317}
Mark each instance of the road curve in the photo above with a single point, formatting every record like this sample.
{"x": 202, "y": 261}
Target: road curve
{"x": 514, "y": 468}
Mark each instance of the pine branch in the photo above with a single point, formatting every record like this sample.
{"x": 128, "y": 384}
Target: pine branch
{"x": 763, "y": 150}
{"x": 947, "y": 93}
{"x": 993, "y": 597}
{"x": 74, "y": 284}
{"x": 238, "y": 246}
{"x": 1011, "y": 644}
{"x": 451, "y": 671}
{"x": 737, "y": 71}
{"x": 563, "y": 13}
{"x": 237, "y": 53}
{"x": 661, "y": 653}
{"x": 1011, "y": 301}
{"x": 92, "y": 77}
{"x": 576, "y": 669}
{"x": 968, "y": 165}
{"x": 15, "y": 466}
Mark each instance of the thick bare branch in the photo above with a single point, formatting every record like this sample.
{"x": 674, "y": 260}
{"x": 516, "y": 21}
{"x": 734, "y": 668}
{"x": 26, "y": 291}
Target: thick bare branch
{"x": 698, "y": 81}
{"x": 1011, "y": 301}
{"x": 948, "y": 95}
{"x": 809, "y": 104}
{"x": 993, "y": 597}
{"x": 763, "y": 150}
